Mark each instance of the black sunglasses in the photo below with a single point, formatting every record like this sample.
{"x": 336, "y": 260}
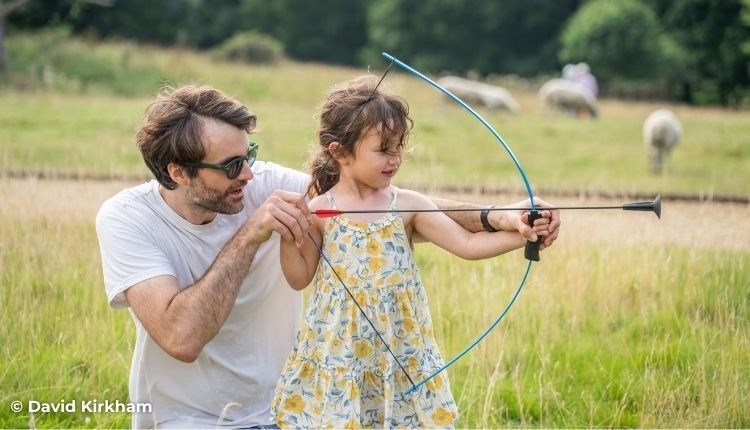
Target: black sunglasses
{"x": 233, "y": 167}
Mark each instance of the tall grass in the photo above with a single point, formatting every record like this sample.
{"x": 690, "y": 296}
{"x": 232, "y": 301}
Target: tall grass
{"x": 612, "y": 336}
{"x": 614, "y": 328}
{"x": 59, "y": 339}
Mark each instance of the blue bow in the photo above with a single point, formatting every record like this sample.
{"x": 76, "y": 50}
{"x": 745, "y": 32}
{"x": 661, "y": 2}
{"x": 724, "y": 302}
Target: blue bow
{"x": 532, "y": 249}
{"x": 529, "y": 253}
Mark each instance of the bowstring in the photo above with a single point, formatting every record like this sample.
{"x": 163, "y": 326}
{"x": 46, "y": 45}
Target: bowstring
{"x": 319, "y": 247}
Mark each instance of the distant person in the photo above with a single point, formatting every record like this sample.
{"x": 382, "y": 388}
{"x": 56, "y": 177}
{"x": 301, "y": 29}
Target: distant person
{"x": 194, "y": 254}
{"x": 341, "y": 373}
{"x": 568, "y": 72}
{"x": 582, "y": 74}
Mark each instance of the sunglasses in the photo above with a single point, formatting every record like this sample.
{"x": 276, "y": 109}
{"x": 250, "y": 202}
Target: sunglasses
{"x": 233, "y": 167}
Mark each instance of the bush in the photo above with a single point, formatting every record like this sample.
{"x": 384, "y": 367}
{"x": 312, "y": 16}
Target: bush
{"x": 52, "y": 59}
{"x": 618, "y": 39}
{"x": 250, "y": 47}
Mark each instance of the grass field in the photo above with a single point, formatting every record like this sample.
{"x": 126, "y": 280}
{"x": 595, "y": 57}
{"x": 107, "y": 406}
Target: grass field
{"x": 627, "y": 321}
{"x": 65, "y": 124}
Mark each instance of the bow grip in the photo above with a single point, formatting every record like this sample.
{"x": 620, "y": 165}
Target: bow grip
{"x": 531, "y": 252}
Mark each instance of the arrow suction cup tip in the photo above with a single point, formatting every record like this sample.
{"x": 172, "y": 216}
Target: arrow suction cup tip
{"x": 657, "y": 206}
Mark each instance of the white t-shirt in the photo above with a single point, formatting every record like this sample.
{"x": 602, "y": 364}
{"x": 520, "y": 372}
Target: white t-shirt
{"x": 141, "y": 237}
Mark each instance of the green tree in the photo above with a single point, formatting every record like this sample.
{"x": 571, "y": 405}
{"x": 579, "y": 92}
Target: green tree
{"x": 618, "y": 39}
{"x": 39, "y": 13}
{"x": 502, "y": 36}
{"x": 713, "y": 32}
{"x": 324, "y": 30}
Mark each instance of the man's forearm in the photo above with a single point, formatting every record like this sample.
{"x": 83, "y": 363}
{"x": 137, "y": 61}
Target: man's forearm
{"x": 470, "y": 220}
{"x": 205, "y": 306}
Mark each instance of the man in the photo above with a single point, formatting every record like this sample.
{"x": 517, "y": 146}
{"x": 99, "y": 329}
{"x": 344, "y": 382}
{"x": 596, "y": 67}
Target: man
{"x": 194, "y": 257}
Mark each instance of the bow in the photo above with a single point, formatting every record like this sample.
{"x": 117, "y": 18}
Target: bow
{"x": 532, "y": 248}
{"x": 531, "y": 251}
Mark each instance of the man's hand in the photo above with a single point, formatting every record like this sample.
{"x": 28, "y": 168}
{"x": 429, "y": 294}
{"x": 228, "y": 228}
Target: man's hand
{"x": 283, "y": 212}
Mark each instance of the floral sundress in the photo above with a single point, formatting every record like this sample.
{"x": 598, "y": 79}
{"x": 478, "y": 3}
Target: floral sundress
{"x": 340, "y": 375}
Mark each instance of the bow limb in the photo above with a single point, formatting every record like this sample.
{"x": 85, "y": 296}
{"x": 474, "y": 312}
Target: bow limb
{"x": 532, "y": 248}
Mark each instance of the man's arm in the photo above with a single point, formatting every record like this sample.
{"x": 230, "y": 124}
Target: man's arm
{"x": 548, "y": 226}
{"x": 182, "y": 322}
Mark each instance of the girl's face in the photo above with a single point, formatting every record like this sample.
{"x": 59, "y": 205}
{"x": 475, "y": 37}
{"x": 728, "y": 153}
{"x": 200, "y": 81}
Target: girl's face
{"x": 372, "y": 164}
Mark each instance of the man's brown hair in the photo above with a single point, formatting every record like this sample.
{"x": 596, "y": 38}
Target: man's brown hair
{"x": 172, "y": 128}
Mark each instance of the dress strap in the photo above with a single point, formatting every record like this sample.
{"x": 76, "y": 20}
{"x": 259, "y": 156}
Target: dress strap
{"x": 331, "y": 203}
{"x": 393, "y": 199}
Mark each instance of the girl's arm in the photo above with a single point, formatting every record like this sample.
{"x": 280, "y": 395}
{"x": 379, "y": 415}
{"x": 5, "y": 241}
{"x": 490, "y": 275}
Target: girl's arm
{"x": 548, "y": 226}
{"x": 441, "y": 230}
{"x": 299, "y": 263}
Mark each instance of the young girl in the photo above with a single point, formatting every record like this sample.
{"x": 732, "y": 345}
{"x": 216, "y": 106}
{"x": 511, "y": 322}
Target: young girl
{"x": 340, "y": 373}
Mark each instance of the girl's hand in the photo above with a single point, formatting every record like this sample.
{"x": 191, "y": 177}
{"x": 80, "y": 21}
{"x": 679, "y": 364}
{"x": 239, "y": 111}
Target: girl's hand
{"x": 548, "y": 226}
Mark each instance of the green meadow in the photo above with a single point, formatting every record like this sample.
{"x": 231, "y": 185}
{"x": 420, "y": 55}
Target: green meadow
{"x": 627, "y": 321}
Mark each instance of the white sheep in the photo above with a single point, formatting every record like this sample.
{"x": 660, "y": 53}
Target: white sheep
{"x": 490, "y": 96}
{"x": 568, "y": 96}
{"x": 661, "y": 133}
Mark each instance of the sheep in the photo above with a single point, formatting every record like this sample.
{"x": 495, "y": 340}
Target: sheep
{"x": 491, "y": 96}
{"x": 568, "y": 96}
{"x": 661, "y": 133}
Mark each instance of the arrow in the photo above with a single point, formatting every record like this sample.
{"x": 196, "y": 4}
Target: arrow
{"x": 653, "y": 206}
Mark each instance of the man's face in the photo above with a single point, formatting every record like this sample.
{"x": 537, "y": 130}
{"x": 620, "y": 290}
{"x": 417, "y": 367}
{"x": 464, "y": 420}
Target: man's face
{"x": 211, "y": 190}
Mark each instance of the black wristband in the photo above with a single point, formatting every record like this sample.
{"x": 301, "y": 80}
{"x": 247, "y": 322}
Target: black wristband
{"x": 485, "y": 222}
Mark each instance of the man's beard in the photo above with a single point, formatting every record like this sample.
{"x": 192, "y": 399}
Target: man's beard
{"x": 213, "y": 200}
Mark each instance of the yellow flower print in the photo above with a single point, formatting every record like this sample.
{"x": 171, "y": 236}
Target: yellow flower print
{"x": 439, "y": 382}
{"x": 383, "y": 321}
{"x": 442, "y": 417}
{"x": 280, "y": 419}
{"x": 383, "y": 364}
{"x": 394, "y": 278}
{"x": 294, "y": 403}
{"x": 319, "y": 393}
{"x": 388, "y": 231}
{"x": 351, "y": 328}
{"x": 410, "y": 325}
{"x": 435, "y": 384}
{"x": 307, "y": 370}
{"x": 370, "y": 378}
{"x": 336, "y": 346}
{"x": 362, "y": 349}
{"x": 376, "y": 264}
{"x": 353, "y": 391}
{"x": 346, "y": 240}
{"x": 353, "y": 424}
{"x": 374, "y": 247}
{"x": 412, "y": 362}
{"x": 361, "y": 297}
{"x": 340, "y": 270}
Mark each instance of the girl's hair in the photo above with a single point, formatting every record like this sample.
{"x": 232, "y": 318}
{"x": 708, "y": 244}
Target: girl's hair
{"x": 340, "y": 121}
{"x": 172, "y": 129}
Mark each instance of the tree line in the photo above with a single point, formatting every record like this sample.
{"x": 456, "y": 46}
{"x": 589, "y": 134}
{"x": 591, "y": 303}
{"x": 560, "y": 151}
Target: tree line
{"x": 695, "y": 51}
